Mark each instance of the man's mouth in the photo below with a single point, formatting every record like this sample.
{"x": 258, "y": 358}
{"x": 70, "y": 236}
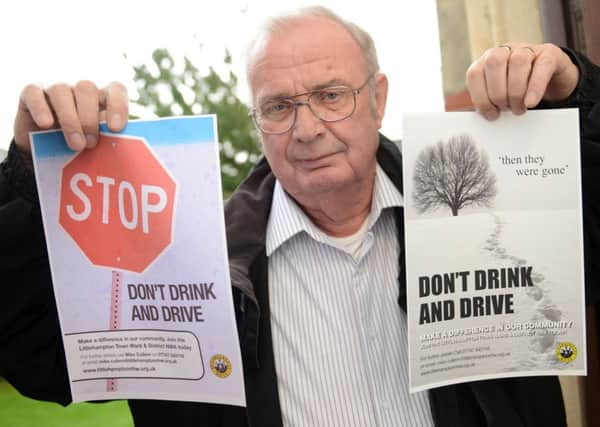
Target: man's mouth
{"x": 315, "y": 162}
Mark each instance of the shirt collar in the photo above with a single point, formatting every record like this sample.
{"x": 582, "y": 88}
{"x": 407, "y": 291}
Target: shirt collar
{"x": 287, "y": 218}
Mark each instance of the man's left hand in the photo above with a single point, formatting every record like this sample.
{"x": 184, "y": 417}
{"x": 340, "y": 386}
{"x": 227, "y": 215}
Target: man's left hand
{"x": 517, "y": 76}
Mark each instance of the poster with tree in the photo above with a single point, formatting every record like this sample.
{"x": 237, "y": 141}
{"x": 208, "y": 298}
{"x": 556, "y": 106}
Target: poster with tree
{"x": 494, "y": 246}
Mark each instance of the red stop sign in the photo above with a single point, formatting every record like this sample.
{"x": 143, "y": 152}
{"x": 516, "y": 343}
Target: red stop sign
{"x": 117, "y": 202}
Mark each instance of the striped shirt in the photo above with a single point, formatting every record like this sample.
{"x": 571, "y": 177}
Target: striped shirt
{"x": 339, "y": 336}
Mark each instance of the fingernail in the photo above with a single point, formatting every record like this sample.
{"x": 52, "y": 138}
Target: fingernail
{"x": 530, "y": 99}
{"x": 91, "y": 140}
{"x": 77, "y": 141}
{"x": 491, "y": 114}
{"x": 115, "y": 122}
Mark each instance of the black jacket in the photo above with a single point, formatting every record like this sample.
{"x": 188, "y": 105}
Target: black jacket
{"x": 32, "y": 357}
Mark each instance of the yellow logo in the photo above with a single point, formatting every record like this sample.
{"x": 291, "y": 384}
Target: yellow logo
{"x": 220, "y": 365}
{"x": 566, "y": 352}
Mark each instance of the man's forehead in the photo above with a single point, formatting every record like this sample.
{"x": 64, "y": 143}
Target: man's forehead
{"x": 282, "y": 57}
{"x": 313, "y": 52}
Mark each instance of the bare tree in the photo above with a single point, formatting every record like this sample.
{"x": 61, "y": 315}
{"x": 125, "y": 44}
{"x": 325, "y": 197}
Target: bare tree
{"x": 455, "y": 174}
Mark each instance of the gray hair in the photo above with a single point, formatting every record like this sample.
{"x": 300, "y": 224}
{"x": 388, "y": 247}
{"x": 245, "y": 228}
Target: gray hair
{"x": 279, "y": 23}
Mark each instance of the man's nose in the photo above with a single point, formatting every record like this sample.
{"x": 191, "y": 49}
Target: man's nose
{"x": 307, "y": 124}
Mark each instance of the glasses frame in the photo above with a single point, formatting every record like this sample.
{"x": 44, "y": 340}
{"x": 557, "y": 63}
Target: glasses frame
{"x": 355, "y": 91}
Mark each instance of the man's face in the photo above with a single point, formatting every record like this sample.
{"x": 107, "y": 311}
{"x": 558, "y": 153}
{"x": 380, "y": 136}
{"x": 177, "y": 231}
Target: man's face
{"x": 316, "y": 157}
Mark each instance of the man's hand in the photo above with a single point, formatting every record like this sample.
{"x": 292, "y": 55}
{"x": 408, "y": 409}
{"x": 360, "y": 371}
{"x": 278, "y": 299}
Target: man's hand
{"x": 517, "y": 76}
{"x": 77, "y": 110}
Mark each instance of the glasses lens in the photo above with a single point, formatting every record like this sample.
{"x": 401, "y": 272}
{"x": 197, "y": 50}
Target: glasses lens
{"x": 275, "y": 116}
{"x": 332, "y": 104}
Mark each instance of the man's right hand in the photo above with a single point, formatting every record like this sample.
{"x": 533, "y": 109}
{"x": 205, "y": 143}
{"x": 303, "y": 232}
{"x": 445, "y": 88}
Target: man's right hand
{"x": 77, "y": 110}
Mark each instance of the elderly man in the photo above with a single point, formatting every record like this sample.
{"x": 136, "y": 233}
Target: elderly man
{"x": 314, "y": 233}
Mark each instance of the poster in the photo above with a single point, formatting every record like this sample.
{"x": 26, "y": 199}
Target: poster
{"x": 136, "y": 241}
{"x": 494, "y": 246}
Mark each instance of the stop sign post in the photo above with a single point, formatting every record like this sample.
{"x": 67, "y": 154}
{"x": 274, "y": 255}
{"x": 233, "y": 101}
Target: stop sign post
{"x": 117, "y": 202}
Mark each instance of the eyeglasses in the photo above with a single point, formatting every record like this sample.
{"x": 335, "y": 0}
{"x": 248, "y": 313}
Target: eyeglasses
{"x": 331, "y": 104}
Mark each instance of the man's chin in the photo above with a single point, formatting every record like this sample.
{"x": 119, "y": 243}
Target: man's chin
{"x": 323, "y": 180}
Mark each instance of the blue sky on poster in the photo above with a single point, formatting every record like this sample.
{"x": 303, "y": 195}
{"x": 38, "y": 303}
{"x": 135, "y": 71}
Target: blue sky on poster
{"x": 46, "y": 42}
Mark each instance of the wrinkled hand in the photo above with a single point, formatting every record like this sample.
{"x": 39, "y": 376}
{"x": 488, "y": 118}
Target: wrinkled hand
{"x": 77, "y": 110}
{"x": 517, "y": 76}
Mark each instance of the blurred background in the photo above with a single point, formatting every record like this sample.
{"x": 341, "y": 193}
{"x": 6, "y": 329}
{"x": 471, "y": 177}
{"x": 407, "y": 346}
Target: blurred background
{"x": 185, "y": 57}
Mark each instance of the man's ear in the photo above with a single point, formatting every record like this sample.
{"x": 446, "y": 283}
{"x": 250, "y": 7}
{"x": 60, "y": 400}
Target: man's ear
{"x": 381, "y": 91}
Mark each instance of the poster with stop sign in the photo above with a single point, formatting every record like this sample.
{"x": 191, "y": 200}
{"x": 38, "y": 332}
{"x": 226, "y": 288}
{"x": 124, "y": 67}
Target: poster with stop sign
{"x": 136, "y": 241}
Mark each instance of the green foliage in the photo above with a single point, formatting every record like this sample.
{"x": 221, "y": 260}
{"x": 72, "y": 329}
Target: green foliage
{"x": 173, "y": 90}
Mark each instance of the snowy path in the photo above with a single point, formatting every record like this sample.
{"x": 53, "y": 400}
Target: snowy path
{"x": 542, "y": 346}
